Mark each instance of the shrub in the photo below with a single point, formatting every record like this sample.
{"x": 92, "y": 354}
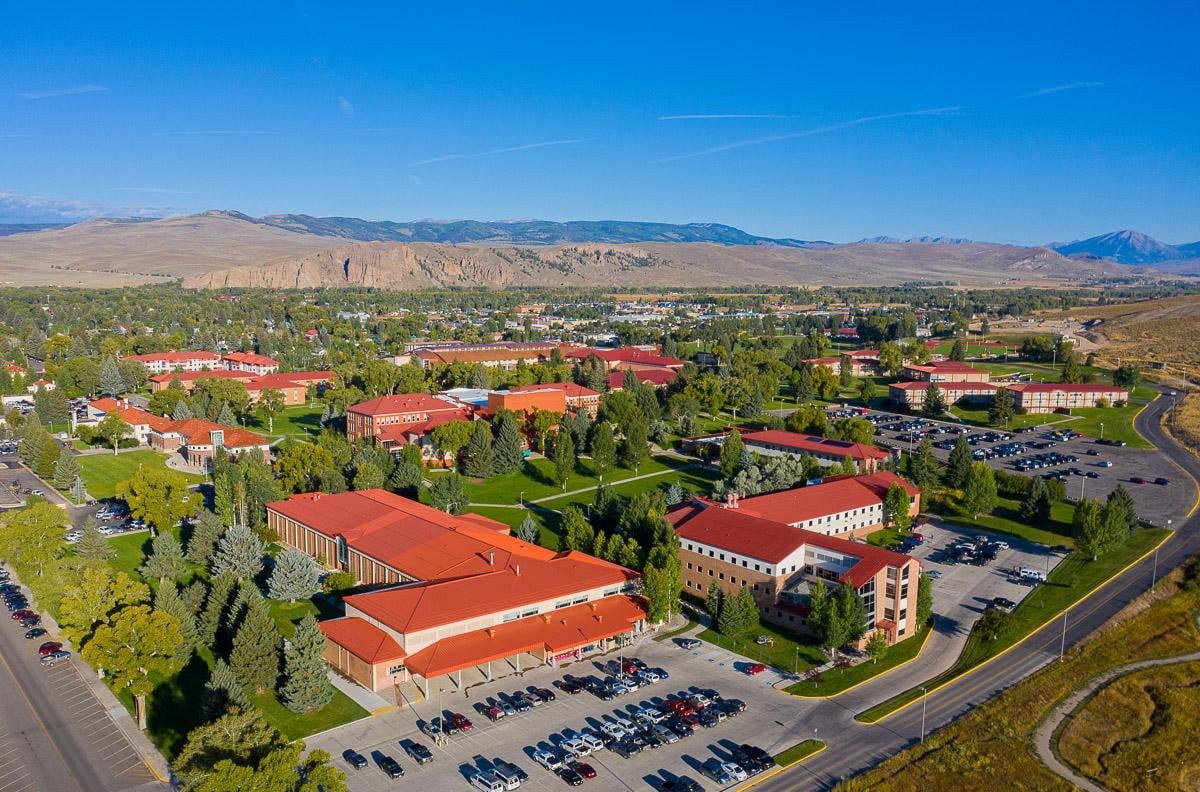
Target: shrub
{"x": 338, "y": 581}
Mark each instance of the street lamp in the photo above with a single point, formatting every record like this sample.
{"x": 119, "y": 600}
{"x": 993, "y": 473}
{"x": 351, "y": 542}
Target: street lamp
{"x": 1102, "y": 430}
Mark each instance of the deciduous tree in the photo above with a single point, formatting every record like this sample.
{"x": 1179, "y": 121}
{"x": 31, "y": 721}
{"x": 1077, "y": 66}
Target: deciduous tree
{"x": 980, "y": 495}
{"x": 604, "y": 449}
{"x": 140, "y": 643}
{"x": 158, "y": 496}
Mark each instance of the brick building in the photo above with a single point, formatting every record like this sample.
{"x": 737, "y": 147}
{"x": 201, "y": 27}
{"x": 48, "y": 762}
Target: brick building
{"x": 162, "y": 362}
{"x": 371, "y": 418}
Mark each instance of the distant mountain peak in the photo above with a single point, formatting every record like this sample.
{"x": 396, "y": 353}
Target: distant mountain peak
{"x": 924, "y": 240}
{"x": 1127, "y": 247}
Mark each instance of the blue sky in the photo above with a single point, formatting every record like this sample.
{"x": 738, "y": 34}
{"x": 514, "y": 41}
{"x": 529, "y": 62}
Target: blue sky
{"x": 1016, "y": 122}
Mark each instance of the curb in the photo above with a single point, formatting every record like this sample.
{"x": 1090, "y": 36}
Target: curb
{"x": 778, "y": 770}
{"x": 1025, "y": 638}
{"x": 880, "y": 675}
{"x": 375, "y": 713}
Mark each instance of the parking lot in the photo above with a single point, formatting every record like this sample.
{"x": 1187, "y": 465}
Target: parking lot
{"x": 1087, "y": 466}
{"x": 771, "y": 720}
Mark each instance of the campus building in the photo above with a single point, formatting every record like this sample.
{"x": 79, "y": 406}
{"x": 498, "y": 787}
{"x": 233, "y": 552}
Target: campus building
{"x": 659, "y": 378}
{"x": 628, "y": 359}
{"x": 1045, "y": 397}
{"x": 860, "y": 365}
{"x": 197, "y": 440}
{"x": 139, "y": 420}
{"x": 294, "y": 385}
{"x": 251, "y": 362}
{"x": 827, "y": 451}
{"x": 912, "y": 394}
{"x": 948, "y": 371}
{"x": 959, "y": 382}
{"x": 577, "y": 398}
{"x": 779, "y": 563}
{"x": 502, "y": 354}
{"x": 852, "y": 506}
{"x": 461, "y": 597}
{"x": 371, "y": 418}
{"x": 161, "y": 362}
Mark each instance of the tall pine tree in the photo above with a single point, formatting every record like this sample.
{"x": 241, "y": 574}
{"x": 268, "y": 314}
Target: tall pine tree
{"x": 168, "y": 600}
{"x": 306, "y": 684}
{"x": 206, "y": 532}
{"x": 480, "y": 456}
{"x": 255, "y": 655}
{"x": 295, "y": 577}
{"x": 239, "y": 553}
{"x": 221, "y": 692}
{"x": 509, "y": 449}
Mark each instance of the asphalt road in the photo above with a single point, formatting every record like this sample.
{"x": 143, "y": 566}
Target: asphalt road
{"x": 54, "y": 734}
{"x": 855, "y": 747}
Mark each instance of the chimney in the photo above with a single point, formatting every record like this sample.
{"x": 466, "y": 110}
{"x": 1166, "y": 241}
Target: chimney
{"x": 491, "y": 557}
{"x": 518, "y": 570}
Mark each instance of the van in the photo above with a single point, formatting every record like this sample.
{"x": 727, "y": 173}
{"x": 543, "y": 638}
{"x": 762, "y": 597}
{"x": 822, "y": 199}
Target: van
{"x": 506, "y": 776}
{"x": 487, "y": 782}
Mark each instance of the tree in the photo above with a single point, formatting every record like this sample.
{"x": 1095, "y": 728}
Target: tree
{"x": 213, "y": 614}
{"x": 158, "y": 496}
{"x": 509, "y": 451}
{"x": 32, "y": 538}
{"x": 1127, "y": 376}
{"x": 958, "y": 352}
{"x": 221, "y": 692}
{"x": 479, "y": 455}
{"x": 240, "y": 735}
{"x": 845, "y": 372}
{"x": 853, "y": 430}
{"x": 807, "y": 419}
{"x": 675, "y": 494}
{"x": 577, "y": 532}
{"x": 95, "y": 599}
{"x": 239, "y": 553}
{"x": 79, "y": 492}
{"x": 449, "y": 493}
{"x": 739, "y": 614}
{"x": 731, "y": 454}
{"x": 182, "y": 411}
{"x": 838, "y": 617}
{"x": 712, "y": 602}
{"x": 541, "y": 422}
{"x": 66, "y": 470}
{"x": 112, "y": 429}
{"x": 922, "y": 465}
{"x": 93, "y": 545}
{"x": 656, "y": 587}
{"x": 1120, "y": 500}
{"x": 139, "y": 644}
{"x": 896, "y": 506}
{"x": 368, "y": 476}
{"x": 294, "y": 577}
{"x": 206, "y": 532}
{"x": 271, "y": 402}
{"x": 1071, "y": 370}
{"x": 1035, "y": 506}
{"x": 634, "y": 449}
{"x": 528, "y": 531}
{"x": 935, "y": 402}
{"x": 255, "y": 655}
{"x": 924, "y": 599}
{"x": 890, "y": 358}
{"x": 451, "y": 436}
{"x": 805, "y": 391}
{"x": 168, "y": 600}
{"x": 301, "y": 465}
{"x": 111, "y": 381}
{"x": 993, "y": 622}
{"x": 564, "y": 458}
{"x": 979, "y": 497}
{"x": 877, "y": 646}
{"x": 165, "y": 561}
{"x": 306, "y": 684}
{"x": 1001, "y": 408}
{"x": 866, "y": 390}
{"x": 604, "y": 448}
{"x": 958, "y": 471}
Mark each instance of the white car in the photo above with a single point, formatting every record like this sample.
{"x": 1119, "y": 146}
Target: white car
{"x": 702, "y": 700}
{"x": 999, "y": 544}
{"x": 651, "y": 714}
{"x": 591, "y": 741}
{"x": 735, "y": 771}
{"x": 576, "y": 747}
{"x": 74, "y": 536}
{"x": 550, "y": 761}
{"x": 625, "y": 724}
{"x": 689, "y": 643}
{"x": 614, "y": 730}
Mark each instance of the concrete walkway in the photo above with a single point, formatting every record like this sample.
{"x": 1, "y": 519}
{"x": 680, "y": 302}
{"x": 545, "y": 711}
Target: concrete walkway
{"x": 370, "y": 701}
{"x": 1044, "y": 736}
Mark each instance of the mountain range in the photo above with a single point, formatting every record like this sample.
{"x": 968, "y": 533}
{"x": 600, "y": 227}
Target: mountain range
{"x": 1130, "y": 247}
{"x": 221, "y": 249}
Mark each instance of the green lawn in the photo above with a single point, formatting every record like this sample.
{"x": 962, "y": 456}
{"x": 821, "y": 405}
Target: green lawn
{"x": 547, "y": 521}
{"x": 835, "y": 680}
{"x": 798, "y": 752}
{"x": 1118, "y": 423}
{"x": 695, "y": 479}
{"x": 1006, "y": 518}
{"x": 886, "y": 537}
{"x": 535, "y": 481}
{"x": 687, "y": 625}
{"x": 1070, "y": 582}
{"x": 102, "y": 472}
{"x": 979, "y": 417}
{"x": 292, "y": 422}
{"x": 791, "y": 651}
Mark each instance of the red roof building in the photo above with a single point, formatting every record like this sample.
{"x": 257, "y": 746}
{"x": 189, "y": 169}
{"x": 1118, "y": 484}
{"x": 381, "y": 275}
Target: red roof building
{"x": 198, "y": 440}
{"x": 850, "y": 506}
{"x": 161, "y": 362}
{"x": 371, "y": 418}
{"x": 826, "y": 450}
{"x": 462, "y": 592}
{"x": 502, "y": 354}
{"x": 139, "y": 420}
{"x": 779, "y": 563}
{"x": 628, "y": 358}
{"x": 251, "y": 362}
{"x": 659, "y": 378}
{"x": 577, "y": 397}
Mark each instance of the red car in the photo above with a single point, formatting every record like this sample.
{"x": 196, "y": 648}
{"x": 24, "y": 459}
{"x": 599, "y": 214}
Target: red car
{"x": 48, "y": 647}
{"x": 584, "y": 769}
{"x": 22, "y": 614}
{"x": 681, "y": 707}
{"x": 494, "y": 713}
{"x": 755, "y": 668}
{"x": 460, "y": 721}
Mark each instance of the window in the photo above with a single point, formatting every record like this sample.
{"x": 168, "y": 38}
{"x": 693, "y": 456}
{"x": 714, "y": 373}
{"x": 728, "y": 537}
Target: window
{"x": 744, "y": 563}
{"x": 756, "y": 569}
{"x": 343, "y": 551}
{"x": 722, "y": 556}
{"x": 689, "y": 564}
{"x": 710, "y": 573}
{"x": 721, "y": 576}
{"x": 579, "y": 600}
{"x": 732, "y": 579}
{"x": 396, "y": 669}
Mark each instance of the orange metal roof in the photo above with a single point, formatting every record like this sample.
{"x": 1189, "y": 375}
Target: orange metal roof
{"x": 556, "y": 631}
{"x": 656, "y": 377}
{"x": 813, "y": 444}
{"x": 251, "y": 358}
{"x": 833, "y": 497}
{"x": 362, "y": 639}
{"x": 173, "y": 357}
{"x": 402, "y": 403}
{"x": 190, "y": 376}
{"x": 134, "y": 416}
{"x": 197, "y": 430}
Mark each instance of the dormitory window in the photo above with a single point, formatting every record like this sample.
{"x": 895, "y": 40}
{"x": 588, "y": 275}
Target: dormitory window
{"x": 396, "y": 669}
{"x": 756, "y": 569}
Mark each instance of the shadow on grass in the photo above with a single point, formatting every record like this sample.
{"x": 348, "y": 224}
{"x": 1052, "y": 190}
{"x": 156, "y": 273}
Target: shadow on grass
{"x": 174, "y": 706}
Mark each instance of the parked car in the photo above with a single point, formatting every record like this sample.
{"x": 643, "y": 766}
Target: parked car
{"x": 390, "y": 767}
{"x": 493, "y": 713}
{"x": 48, "y": 647}
{"x": 418, "y": 752}
{"x": 681, "y": 784}
{"x": 354, "y": 759}
{"x": 1004, "y": 603}
{"x": 548, "y": 759}
{"x": 755, "y": 668}
{"x": 569, "y": 686}
{"x": 55, "y": 657}
{"x": 509, "y": 769}
{"x": 716, "y": 771}
{"x": 569, "y": 776}
{"x": 486, "y": 782}
{"x": 1162, "y": 482}
{"x": 584, "y": 769}
{"x": 461, "y": 722}
{"x": 690, "y": 643}
{"x": 36, "y": 632}
{"x": 22, "y": 613}
{"x": 545, "y": 694}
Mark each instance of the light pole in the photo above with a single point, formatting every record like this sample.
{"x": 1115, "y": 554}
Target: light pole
{"x": 1102, "y": 430}
{"x": 924, "y": 698}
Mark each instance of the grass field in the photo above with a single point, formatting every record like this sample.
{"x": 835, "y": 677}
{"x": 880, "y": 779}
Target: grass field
{"x": 1068, "y": 583}
{"x": 1006, "y": 518}
{"x": 292, "y": 422}
{"x": 835, "y": 680}
{"x": 1137, "y": 727}
{"x": 535, "y": 480}
{"x": 102, "y": 472}
{"x": 798, "y": 752}
{"x": 990, "y": 748}
{"x": 790, "y": 652}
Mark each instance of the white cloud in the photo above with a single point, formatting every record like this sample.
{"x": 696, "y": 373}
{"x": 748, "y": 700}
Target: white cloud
{"x": 808, "y": 132}
{"x": 720, "y": 116}
{"x": 345, "y": 106}
{"x": 508, "y": 150}
{"x": 50, "y": 93}
{"x": 17, "y": 208}
{"x": 1060, "y": 88}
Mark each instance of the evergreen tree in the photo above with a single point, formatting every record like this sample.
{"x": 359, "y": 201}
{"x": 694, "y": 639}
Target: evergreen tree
{"x": 255, "y": 655}
{"x": 206, "y": 532}
{"x": 958, "y": 471}
{"x": 165, "y": 561}
{"x": 449, "y": 494}
{"x": 1072, "y": 372}
{"x": 226, "y": 417}
{"x": 182, "y": 411}
{"x": 634, "y": 449}
{"x": 924, "y": 600}
{"x": 922, "y": 465}
{"x": 92, "y": 545}
{"x": 739, "y": 614}
{"x": 805, "y": 391}
{"x": 295, "y": 577}
{"x": 1122, "y": 501}
{"x": 213, "y": 614}
{"x": 111, "y": 382}
{"x": 712, "y": 602}
{"x": 731, "y": 454}
{"x": 577, "y": 532}
{"x": 47, "y": 461}
{"x": 564, "y": 458}
{"x": 675, "y": 494}
{"x": 509, "y": 450}
{"x": 604, "y": 448}
{"x": 221, "y": 692}
{"x": 66, "y": 470}
{"x": 866, "y": 391}
{"x": 167, "y": 600}
{"x": 368, "y": 476}
{"x": 79, "y": 492}
{"x": 958, "y": 352}
{"x": 845, "y": 372}
{"x": 1035, "y": 506}
{"x": 528, "y": 530}
{"x": 979, "y": 497}
{"x": 239, "y": 553}
{"x": 1001, "y": 408}
{"x": 306, "y": 685}
{"x": 406, "y": 478}
{"x": 480, "y": 456}
{"x": 935, "y": 402}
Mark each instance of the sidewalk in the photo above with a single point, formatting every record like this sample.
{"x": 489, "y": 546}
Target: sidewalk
{"x": 582, "y": 490}
{"x": 368, "y": 700}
